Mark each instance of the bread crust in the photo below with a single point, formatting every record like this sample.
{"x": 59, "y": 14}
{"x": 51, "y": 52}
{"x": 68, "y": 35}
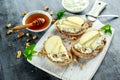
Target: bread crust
{"x": 57, "y": 62}
{"x": 88, "y": 56}
{"x": 85, "y": 25}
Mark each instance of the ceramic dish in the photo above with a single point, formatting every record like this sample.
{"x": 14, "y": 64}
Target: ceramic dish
{"x": 75, "y": 6}
{"x": 37, "y": 12}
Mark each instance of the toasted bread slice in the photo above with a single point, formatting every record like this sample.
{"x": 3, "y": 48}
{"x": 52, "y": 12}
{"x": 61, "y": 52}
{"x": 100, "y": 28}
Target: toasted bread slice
{"x": 72, "y": 26}
{"x": 56, "y": 52}
{"x": 89, "y": 45}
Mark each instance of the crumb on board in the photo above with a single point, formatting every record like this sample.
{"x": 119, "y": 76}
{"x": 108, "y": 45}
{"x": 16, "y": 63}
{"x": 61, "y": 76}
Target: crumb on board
{"x": 34, "y": 37}
{"x": 90, "y": 24}
{"x": 41, "y": 53}
{"x": 19, "y": 53}
{"x": 76, "y": 59}
{"x": 51, "y": 13}
{"x": 46, "y": 8}
{"x": 53, "y": 20}
{"x": 82, "y": 65}
{"x": 24, "y": 13}
{"x": 8, "y": 25}
{"x": 20, "y": 34}
{"x": 9, "y": 31}
{"x": 65, "y": 40}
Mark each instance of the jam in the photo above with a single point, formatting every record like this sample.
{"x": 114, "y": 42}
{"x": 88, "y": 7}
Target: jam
{"x": 33, "y": 17}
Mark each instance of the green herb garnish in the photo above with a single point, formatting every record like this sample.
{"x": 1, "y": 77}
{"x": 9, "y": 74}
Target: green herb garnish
{"x": 107, "y": 28}
{"x": 60, "y": 14}
{"x": 29, "y": 51}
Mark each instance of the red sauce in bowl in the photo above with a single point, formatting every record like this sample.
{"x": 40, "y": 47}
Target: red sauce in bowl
{"x": 33, "y": 17}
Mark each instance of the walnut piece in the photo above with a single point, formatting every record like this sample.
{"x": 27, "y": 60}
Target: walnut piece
{"x": 53, "y": 20}
{"x": 27, "y": 34}
{"x": 46, "y": 8}
{"x": 51, "y": 13}
{"x": 54, "y": 55}
{"x": 8, "y": 25}
{"x": 27, "y": 44}
{"x": 34, "y": 37}
{"x": 9, "y": 31}
{"x": 20, "y": 34}
{"x": 63, "y": 55}
{"x": 41, "y": 53}
{"x": 24, "y": 13}
{"x": 73, "y": 38}
{"x": 19, "y": 53}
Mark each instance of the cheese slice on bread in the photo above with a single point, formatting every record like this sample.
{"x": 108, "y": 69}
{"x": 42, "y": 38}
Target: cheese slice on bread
{"x": 56, "y": 51}
{"x": 73, "y": 26}
{"x": 89, "y": 44}
{"x": 76, "y": 20}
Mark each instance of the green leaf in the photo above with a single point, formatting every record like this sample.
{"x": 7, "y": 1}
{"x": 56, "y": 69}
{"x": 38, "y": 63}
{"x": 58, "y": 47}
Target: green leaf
{"x": 107, "y": 28}
{"x": 29, "y": 57}
{"x": 60, "y": 14}
{"x": 29, "y": 51}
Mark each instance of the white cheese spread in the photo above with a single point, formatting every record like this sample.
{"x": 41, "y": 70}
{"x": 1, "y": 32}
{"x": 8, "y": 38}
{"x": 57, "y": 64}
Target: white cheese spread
{"x": 59, "y": 56}
{"x": 88, "y": 50}
{"x": 69, "y": 29}
{"x": 75, "y": 5}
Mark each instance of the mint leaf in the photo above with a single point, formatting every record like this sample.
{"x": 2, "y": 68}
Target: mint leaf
{"x": 29, "y": 57}
{"x": 29, "y": 51}
{"x": 60, "y": 14}
{"x": 107, "y": 28}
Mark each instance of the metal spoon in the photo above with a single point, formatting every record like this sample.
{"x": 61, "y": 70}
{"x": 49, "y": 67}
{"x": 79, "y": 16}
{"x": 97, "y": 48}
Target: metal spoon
{"x": 91, "y": 18}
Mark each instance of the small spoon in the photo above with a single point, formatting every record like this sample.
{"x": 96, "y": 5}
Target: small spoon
{"x": 91, "y": 18}
{"x": 36, "y": 22}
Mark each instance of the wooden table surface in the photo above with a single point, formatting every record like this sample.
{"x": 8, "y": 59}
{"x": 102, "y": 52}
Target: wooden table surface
{"x": 12, "y": 68}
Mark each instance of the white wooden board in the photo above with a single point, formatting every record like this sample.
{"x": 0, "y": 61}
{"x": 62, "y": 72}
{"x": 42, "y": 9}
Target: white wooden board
{"x": 73, "y": 71}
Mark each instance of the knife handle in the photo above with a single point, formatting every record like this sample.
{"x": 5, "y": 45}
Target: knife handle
{"x": 97, "y": 8}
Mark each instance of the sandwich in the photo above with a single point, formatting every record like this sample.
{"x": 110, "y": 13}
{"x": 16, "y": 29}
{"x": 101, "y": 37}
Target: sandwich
{"x": 73, "y": 26}
{"x": 56, "y": 52}
{"x": 89, "y": 44}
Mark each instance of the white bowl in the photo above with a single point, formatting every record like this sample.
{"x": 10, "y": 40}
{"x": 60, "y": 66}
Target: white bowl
{"x": 34, "y": 12}
{"x": 70, "y": 9}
